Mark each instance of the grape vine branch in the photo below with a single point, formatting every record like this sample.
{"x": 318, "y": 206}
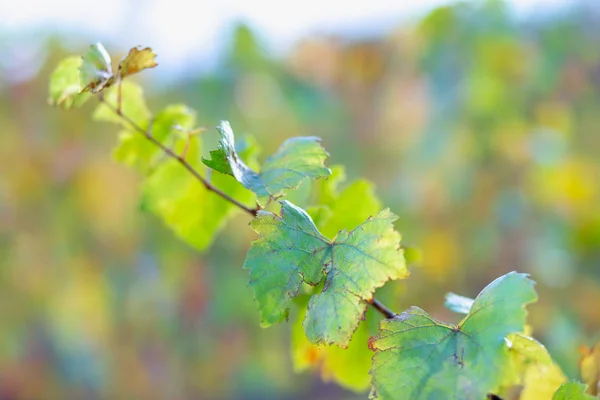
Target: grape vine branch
{"x": 376, "y": 304}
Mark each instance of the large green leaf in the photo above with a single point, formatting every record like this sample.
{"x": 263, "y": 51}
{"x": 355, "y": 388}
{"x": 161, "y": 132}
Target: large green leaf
{"x": 64, "y": 86}
{"x": 418, "y": 357}
{"x": 297, "y": 159}
{"x": 572, "y": 391}
{"x": 291, "y": 250}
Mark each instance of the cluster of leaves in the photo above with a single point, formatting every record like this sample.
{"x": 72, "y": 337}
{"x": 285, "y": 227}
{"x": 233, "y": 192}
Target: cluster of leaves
{"x": 326, "y": 261}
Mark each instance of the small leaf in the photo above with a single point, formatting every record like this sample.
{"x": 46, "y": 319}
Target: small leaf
{"x": 297, "y": 159}
{"x": 225, "y": 159}
{"x": 290, "y": 250}
{"x": 572, "y": 391}
{"x": 417, "y": 357}
{"x": 136, "y": 61}
{"x": 95, "y": 71}
{"x": 64, "y": 87}
{"x": 133, "y": 106}
{"x": 458, "y": 304}
{"x": 589, "y": 367}
{"x": 532, "y": 367}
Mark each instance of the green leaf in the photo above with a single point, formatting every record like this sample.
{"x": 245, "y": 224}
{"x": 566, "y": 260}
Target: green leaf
{"x": 297, "y": 159}
{"x": 135, "y": 150}
{"x": 133, "y": 106}
{"x": 95, "y": 71}
{"x": 183, "y": 203}
{"x": 290, "y": 250}
{"x": 418, "y": 357}
{"x": 528, "y": 349}
{"x": 225, "y": 159}
{"x": 458, "y": 304}
{"x": 347, "y": 367}
{"x": 337, "y": 210}
{"x": 572, "y": 391}
{"x": 64, "y": 87}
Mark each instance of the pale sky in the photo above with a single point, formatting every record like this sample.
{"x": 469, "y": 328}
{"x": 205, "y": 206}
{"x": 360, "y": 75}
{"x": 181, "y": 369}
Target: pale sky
{"x": 177, "y": 28}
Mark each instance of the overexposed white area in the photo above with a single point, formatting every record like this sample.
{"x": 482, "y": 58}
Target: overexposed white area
{"x": 183, "y": 31}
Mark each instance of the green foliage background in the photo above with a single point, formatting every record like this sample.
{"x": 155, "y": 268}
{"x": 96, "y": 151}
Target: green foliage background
{"x": 477, "y": 129}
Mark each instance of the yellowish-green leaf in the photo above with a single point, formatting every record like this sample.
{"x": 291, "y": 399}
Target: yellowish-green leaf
{"x": 589, "y": 367}
{"x": 133, "y": 106}
{"x": 64, "y": 87}
{"x": 572, "y": 391}
{"x": 136, "y": 61}
{"x": 526, "y": 351}
{"x": 533, "y": 368}
{"x": 541, "y": 381}
{"x": 95, "y": 71}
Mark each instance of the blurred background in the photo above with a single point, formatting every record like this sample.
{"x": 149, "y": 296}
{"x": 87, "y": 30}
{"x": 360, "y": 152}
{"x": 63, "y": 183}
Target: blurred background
{"x": 478, "y": 122}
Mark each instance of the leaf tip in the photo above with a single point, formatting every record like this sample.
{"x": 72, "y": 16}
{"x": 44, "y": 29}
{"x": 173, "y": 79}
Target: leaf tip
{"x": 224, "y": 127}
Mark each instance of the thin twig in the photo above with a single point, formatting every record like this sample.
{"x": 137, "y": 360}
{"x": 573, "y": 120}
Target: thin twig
{"x": 179, "y": 158}
{"x": 379, "y": 306}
